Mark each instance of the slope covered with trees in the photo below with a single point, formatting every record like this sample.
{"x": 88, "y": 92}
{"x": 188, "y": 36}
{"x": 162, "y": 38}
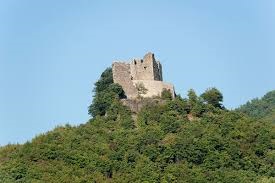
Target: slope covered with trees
{"x": 184, "y": 140}
{"x": 263, "y": 108}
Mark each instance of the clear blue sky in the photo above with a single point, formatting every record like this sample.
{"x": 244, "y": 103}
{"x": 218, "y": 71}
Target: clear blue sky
{"x": 51, "y": 53}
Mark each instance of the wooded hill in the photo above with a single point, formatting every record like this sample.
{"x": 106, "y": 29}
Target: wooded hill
{"x": 192, "y": 139}
{"x": 263, "y": 108}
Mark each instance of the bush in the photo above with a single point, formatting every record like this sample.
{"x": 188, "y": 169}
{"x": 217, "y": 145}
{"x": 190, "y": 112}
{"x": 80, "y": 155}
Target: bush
{"x": 105, "y": 93}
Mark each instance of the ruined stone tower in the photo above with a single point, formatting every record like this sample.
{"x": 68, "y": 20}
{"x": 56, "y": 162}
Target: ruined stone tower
{"x": 146, "y": 72}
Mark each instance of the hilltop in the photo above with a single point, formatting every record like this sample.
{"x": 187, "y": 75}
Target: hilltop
{"x": 261, "y": 108}
{"x": 192, "y": 139}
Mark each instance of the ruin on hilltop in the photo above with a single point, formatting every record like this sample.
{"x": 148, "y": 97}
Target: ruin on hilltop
{"x": 141, "y": 77}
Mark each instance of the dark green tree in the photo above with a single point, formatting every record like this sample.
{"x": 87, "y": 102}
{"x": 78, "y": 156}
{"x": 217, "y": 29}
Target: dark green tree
{"x": 261, "y": 108}
{"x": 104, "y": 81}
{"x": 105, "y": 93}
{"x": 166, "y": 94}
{"x": 196, "y": 106}
{"x": 193, "y": 98}
{"x": 213, "y": 97}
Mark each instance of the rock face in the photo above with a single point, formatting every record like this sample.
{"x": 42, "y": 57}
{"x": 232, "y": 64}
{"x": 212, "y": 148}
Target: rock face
{"x": 146, "y": 72}
{"x": 136, "y": 105}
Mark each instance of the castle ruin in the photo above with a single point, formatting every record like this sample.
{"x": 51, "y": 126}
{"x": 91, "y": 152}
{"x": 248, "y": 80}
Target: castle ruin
{"x": 146, "y": 72}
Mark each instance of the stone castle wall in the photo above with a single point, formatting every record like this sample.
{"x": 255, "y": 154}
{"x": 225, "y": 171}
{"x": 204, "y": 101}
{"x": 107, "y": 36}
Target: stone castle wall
{"x": 122, "y": 76}
{"x": 141, "y": 70}
{"x": 147, "y": 71}
{"x": 155, "y": 87}
{"x": 157, "y": 71}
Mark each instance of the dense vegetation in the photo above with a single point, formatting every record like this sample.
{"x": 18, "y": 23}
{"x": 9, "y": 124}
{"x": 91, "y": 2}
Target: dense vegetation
{"x": 261, "y": 108}
{"x": 105, "y": 92}
{"x": 183, "y": 140}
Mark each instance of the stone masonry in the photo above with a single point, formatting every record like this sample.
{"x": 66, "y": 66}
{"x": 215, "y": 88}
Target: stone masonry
{"x": 146, "y": 72}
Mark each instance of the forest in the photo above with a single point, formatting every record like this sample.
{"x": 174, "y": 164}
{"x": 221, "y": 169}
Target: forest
{"x": 193, "y": 139}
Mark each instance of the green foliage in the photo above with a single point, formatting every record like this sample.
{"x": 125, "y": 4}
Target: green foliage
{"x": 193, "y": 98}
{"x": 196, "y": 106}
{"x": 261, "y": 108}
{"x": 141, "y": 89}
{"x": 160, "y": 145}
{"x": 105, "y": 80}
{"x": 213, "y": 97}
{"x": 179, "y": 105}
{"x": 105, "y": 94}
{"x": 166, "y": 94}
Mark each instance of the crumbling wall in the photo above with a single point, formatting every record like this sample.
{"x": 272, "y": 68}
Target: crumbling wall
{"x": 122, "y": 76}
{"x": 147, "y": 71}
{"x": 157, "y": 72}
{"x": 141, "y": 70}
{"x": 155, "y": 87}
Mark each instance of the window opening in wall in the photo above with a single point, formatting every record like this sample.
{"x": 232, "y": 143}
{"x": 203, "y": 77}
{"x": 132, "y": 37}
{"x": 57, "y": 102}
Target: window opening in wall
{"x": 135, "y": 62}
{"x": 141, "y": 61}
{"x": 145, "y": 68}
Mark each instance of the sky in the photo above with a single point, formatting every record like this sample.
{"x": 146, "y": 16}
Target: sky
{"x": 52, "y": 52}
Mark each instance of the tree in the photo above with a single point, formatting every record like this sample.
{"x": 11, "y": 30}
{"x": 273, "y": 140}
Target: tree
{"x": 196, "y": 107}
{"x": 178, "y": 104}
{"x": 192, "y": 98}
{"x": 166, "y": 94}
{"x": 213, "y": 97}
{"x": 104, "y": 81}
{"x": 261, "y": 108}
{"x": 105, "y": 93}
{"x": 141, "y": 89}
